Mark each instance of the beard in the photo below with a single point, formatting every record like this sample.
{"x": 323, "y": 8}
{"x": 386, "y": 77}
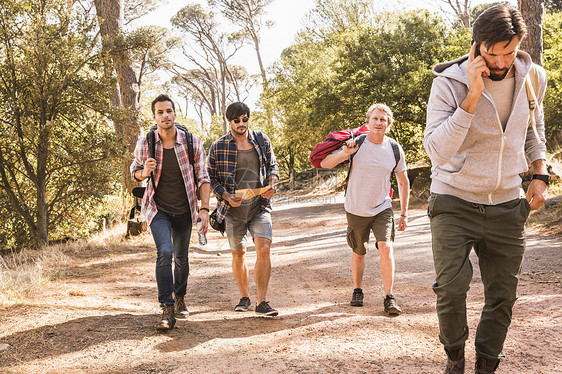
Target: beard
{"x": 501, "y": 73}
{"x": 240, "y": 132}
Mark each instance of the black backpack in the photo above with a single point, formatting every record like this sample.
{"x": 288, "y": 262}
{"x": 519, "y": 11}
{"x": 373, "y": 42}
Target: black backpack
{"x": 151, "y": 140}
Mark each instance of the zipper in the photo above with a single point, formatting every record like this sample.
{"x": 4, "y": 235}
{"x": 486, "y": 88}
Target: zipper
{"x": 502, "y": 145}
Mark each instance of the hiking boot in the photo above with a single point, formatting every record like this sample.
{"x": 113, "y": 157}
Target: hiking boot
{"x": 265, "y": 310}
{"x": 486, "y": 365}
{"x": 391, "y": 307}
{"x": 243, "y": 305}
{"x": 180, "y": 309}
{"x": 455, "y": 360}
{"x": 357, "y": 298}
{"x": 168, "y": 319}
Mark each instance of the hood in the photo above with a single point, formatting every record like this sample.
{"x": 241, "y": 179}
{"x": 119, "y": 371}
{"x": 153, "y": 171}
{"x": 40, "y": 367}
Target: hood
{"x": 456, "y": 69}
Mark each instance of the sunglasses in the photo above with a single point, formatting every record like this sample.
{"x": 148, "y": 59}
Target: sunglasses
{"x": 237, "y": 120}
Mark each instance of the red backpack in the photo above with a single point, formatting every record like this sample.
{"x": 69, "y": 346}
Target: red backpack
{"x": 334, "y": 141}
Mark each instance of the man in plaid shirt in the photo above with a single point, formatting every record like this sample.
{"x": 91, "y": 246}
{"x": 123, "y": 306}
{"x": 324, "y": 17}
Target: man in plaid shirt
{"x": 244, "y": 159}
{"x": 171, "y": 209}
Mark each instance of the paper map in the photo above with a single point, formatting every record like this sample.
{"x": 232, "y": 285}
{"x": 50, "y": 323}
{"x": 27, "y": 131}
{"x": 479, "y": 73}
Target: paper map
{"x": 246, "y": 193}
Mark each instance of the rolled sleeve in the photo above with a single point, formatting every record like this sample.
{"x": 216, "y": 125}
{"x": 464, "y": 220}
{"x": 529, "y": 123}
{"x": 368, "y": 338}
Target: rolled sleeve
{"x": 141, "y": 154}
{"x": 200, "y": 167}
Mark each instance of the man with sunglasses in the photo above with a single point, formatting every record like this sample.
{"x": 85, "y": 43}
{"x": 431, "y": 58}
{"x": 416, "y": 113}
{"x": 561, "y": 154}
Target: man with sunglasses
{"x": 244, "y": 159}
{"x": 480, "y": 133}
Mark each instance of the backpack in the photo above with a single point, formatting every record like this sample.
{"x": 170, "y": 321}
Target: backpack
{"x": 151, "y": 140}
{"x": 333, "y": 141}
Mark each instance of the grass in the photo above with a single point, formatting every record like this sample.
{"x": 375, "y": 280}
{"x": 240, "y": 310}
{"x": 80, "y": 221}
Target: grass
{"x": 24, "y": 272}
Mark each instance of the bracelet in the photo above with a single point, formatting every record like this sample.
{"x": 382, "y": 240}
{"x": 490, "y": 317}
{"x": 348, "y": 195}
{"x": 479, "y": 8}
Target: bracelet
{"x": 403, "y": 215}
{"x": 207, "y": 209}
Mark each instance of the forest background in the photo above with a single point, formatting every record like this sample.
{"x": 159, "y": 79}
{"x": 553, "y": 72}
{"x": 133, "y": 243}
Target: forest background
{"x": 77, "y": 77}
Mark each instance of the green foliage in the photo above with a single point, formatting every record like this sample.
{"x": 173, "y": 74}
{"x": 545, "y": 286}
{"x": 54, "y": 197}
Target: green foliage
{"x": 328, "y": 84}
{"x": 552, "y": 29}
{"x": 56, "y": 147}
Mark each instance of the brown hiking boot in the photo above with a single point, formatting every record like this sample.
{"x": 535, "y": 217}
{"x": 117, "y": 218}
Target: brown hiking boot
{"x": 391, "y": 307}
{"x": 168, "y": 319}
{"x": 486, "y": 365}
{"x": 180, "y": 309}
{"x": 455, "y": 360}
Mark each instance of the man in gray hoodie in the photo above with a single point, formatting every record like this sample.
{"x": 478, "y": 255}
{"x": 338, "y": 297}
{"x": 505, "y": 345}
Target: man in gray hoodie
{"x": 479, "y": 136}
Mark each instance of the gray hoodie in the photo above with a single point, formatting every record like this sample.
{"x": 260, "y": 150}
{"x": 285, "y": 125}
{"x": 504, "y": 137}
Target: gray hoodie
{"x": 472, "y": 157}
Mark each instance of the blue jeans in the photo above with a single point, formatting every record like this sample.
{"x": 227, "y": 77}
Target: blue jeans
{"x": 171, "y": 233}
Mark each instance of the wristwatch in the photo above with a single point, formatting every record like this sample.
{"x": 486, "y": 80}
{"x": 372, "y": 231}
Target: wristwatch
{"x": 543, "y": 177}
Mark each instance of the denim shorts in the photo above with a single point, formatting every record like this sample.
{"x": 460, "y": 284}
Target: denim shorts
{"x": 260, "y": 226}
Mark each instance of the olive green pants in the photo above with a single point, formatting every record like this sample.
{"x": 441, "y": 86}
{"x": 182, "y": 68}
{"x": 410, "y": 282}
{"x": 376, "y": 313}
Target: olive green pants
{"x": 497, "y": 234}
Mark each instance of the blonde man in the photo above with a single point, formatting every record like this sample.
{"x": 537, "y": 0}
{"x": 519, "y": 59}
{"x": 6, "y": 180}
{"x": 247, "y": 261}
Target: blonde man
{"x": 368, "y": 201}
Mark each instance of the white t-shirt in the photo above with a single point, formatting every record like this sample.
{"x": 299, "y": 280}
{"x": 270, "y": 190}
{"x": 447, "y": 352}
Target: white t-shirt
{"x": 369, "y": 181}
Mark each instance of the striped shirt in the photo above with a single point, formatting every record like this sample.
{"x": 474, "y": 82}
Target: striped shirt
{"x": 222, "y": 165}
{"x": 148, "y": 206}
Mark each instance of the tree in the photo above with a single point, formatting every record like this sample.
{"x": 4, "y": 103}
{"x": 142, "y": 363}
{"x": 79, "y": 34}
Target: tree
{"x": 209, "y": 56}
{"x": 322, "y": 86}
{"x": 553, "y": 5}
{"x": 248, "y": 15}
{"x": 533, "y": 11}
{"x": 55, "y": 145}
{"x": 460, "y": 9}
{"x": 552, "y": 62}
{"x": 336, "y": 17}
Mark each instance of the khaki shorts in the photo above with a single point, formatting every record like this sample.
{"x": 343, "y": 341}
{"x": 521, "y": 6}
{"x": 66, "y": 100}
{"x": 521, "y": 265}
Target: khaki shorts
{"x": 359, "y": 228}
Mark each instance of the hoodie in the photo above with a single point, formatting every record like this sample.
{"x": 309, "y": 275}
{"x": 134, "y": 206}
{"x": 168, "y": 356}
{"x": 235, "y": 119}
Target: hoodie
{"x": 472, "y": 157}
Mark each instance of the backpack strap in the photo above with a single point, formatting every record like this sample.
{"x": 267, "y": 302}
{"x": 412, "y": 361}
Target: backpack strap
{"x": 532, "y": 86}
{"x": 151, "y": 140}
{"x": 359, "y": 141}
{"x": 258, "y": 135}
{"x": 396, "y": 151}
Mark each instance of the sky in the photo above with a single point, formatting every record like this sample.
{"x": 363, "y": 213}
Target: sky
{"x": 289, "y": 18}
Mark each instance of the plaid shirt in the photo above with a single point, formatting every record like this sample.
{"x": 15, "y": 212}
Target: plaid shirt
{"x": 148, "y": 206}
{"x": 222, "y": 165}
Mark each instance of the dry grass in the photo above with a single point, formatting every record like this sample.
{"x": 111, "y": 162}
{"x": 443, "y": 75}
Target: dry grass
{"x": 24, "y": 272}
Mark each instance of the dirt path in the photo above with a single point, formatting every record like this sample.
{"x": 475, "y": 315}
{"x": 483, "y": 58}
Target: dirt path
{"x": 99, "y": 317}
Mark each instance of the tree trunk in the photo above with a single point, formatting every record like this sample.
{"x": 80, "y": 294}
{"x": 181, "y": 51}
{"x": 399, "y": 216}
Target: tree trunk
{"x": 127, "y": 90}
{"x": 533, "y": 11}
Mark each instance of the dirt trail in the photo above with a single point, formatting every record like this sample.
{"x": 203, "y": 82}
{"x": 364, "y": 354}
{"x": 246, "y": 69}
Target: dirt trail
{"x": 100, "y": 316}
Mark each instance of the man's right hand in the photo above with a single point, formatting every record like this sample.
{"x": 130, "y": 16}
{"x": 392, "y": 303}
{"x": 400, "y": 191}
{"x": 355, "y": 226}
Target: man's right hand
{"x": 476, "y": 68}
{"x": 149, "y": 167}
{"x": 350, "y": 148}
{"x": 233, "y": 200}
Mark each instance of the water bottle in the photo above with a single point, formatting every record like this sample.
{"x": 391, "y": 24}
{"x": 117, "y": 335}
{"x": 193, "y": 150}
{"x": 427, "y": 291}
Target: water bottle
{"x": 202, "y": 237}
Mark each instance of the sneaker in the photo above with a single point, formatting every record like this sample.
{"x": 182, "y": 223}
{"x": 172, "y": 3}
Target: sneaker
{"x": 168, "y": 319}
{"x": 391, "y": 307}
{"x": 180, "y": 309}
{"x": 357, "y": 298}
{"x": 243, "y": 305}
{"x": 265, "y": 310}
